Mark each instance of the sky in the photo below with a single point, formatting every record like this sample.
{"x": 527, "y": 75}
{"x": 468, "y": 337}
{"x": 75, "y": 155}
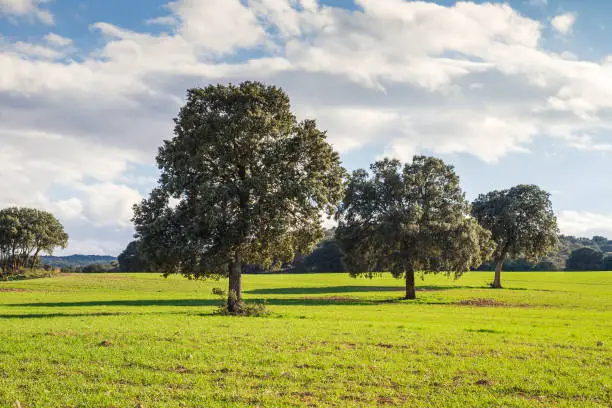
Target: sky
{"x": 514, "y": 92}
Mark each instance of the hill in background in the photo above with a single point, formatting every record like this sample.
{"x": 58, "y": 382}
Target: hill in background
{"x": 74, "y": 261}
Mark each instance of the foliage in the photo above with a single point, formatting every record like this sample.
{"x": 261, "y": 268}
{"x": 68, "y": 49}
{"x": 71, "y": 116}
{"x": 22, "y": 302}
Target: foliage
{"x": 99, "y": 268}
{"x": 30, "y": 273}
{"x": 25, "y": 233}
{"x": 522, "y": 223}
{"x": 545, "y": 266}
{"x": 248, "y": 184}
{"x": 330, "y": 341}
{"x": 409, "y": 218}
{"x": 606, "y": 263}
{"x": 326, "y": 257}
{"x": 257, "y": 309}
{"x": 584, "y": 259}
{"x": 132, "y": 260}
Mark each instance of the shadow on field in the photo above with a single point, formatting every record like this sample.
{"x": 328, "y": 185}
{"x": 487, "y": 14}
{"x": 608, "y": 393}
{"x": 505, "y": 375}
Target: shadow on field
{"x": 49, "y": 315}
{"x": 305, "y": 301}
{"x": 139, "y": 302}
{"x": 352, "y": 289}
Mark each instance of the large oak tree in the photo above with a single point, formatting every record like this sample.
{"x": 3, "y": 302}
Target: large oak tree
{"x": 243, "y": 182}
{"x": 522, "y": 223}
{"x": 409, "y": 218}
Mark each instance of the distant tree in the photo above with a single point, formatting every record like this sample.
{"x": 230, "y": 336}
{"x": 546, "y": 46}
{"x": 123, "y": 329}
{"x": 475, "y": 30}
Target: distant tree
{"x": 545, "y": 266}
{"x": 25, "y": 233}
{"x": 518, "y": 264}
{"x": 327, "y": 257}
{"x": 98, "y": 268}
{"x": 606, "y": 263}
{"x": 584, "y": 259}
{"x": 249, "y": 183}
{"x": 407, "y": 219}
{"x": 521, "y": 221}
{"x": 131, "y": 260}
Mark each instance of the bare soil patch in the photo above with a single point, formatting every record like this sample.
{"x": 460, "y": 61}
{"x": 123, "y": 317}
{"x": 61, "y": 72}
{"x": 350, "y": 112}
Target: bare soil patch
{"x": 482, "y": 303}
{"x": 13, "y": 290}
{"x": 182, "y": 370}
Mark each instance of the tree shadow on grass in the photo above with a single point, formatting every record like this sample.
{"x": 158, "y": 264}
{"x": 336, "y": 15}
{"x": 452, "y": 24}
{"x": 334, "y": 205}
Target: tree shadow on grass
{"x": 50, "y": 315}
{"x": 353, "y": 289}
{"x": 125, "y": 302}
{"x": 303, "y": 301}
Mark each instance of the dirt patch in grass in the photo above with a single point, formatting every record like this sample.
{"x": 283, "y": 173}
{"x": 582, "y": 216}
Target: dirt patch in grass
{"x": 13, "y": 290}
{"x": 384, "y": 400}
{"x": 304, "y": 397}
{"x": 385, "y": 345}
{"x": 482, "y": 303}
{"x": 182, "y": 370}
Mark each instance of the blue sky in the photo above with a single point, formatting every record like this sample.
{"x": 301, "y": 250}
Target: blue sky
{"x": 509, "y": 92}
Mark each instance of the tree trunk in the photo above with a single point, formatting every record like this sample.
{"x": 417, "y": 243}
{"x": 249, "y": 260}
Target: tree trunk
{"x": 234, "y": 298}
{"x": 35, "y": 258}
{"x": 410, "y": 288}
{"x": 498, "y": 268}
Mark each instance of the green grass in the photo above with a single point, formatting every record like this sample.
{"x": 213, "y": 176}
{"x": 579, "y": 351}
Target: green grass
{"x": 124, "y": 340}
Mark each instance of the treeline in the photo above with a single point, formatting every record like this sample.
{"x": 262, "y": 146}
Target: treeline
{"x": 25, "y": 234}
{"x": 76, "y": 262}
{"x": 572, "y": 254}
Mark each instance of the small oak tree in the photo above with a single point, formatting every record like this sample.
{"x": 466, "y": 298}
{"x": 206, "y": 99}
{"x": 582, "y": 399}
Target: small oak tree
{"x": 243, "y": 182}
{"x": 410, "y": 218}
{"x": 25, "y": 233}
{"x": 521, "y": 221}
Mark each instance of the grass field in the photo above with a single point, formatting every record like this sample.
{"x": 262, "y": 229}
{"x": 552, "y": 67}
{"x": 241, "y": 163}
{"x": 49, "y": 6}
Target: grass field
{"x": 134, "y": 340}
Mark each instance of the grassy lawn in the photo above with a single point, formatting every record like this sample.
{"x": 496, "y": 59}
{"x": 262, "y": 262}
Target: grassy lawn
{"x": 128, "y": 340}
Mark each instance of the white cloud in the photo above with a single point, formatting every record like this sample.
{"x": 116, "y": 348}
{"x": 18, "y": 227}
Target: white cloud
{"x": 109, "y": 204}
{"x": 25, "y": 8}
{"x": 585, "y": 224}
{"x": 166, "y": 20}
{"x": 537, "y": 3}
{"x": 219, "y": 26}
{"x": 34, "y": 51}
{"x": 564, "y": 23}
{"x": 57, "y": 40}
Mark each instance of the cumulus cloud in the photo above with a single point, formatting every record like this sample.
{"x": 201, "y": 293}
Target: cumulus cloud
{"x": 391, "y": 76}
{"x": 27, "y": 8}
{"x": 564, "y": 23}
{"x": 57, "y": 40}
{"x": 585, "y": 224}
{"x": 537, "y": 3}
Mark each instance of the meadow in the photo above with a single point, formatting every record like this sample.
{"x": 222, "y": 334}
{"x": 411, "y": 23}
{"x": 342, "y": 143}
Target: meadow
{"x": 139, "y": 340}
